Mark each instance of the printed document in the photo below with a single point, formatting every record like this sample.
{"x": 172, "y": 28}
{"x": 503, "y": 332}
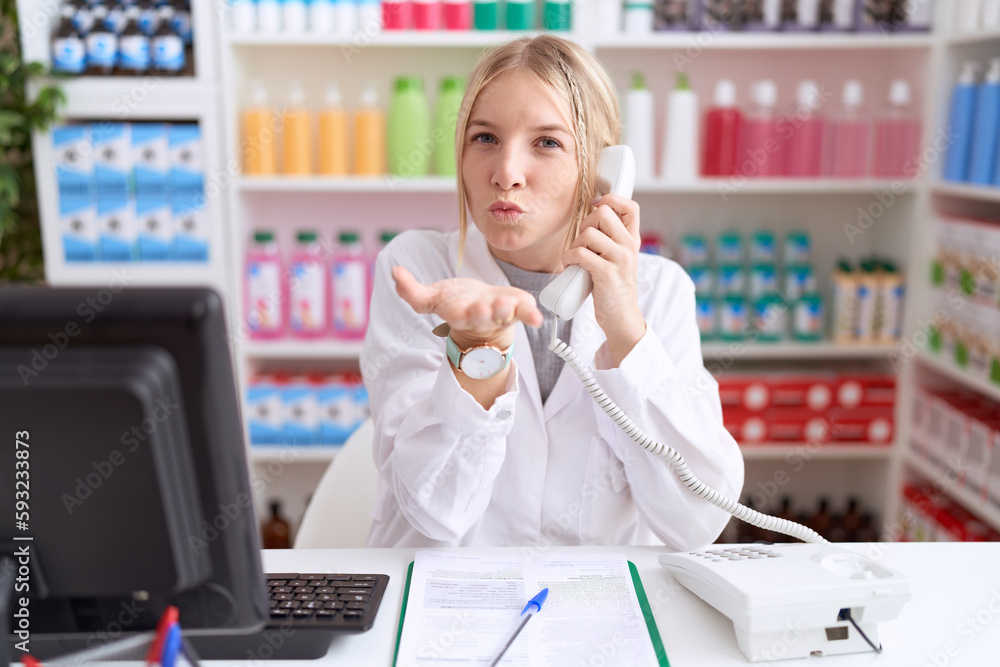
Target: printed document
{"x": 462, "y": 608}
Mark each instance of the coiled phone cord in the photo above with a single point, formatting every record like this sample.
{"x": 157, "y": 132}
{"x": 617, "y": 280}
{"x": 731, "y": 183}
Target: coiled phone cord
{"x": 677, "y": 462}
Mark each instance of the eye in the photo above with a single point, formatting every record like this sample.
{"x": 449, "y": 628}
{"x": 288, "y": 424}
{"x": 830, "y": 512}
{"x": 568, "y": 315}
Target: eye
{"x": 549, "y": 141}
{"x": 476, "y": 138}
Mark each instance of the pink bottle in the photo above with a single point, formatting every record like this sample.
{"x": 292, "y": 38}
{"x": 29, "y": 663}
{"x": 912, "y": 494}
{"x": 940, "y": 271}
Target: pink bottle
{"x": 397, "y": 14}
{"x": 850, "y": 136}
{"x": 762, "y": 153}
{"x": 722, "y": 132}
{"x": 427, "y": 14}
{"x": 308, "y": 298}
{"x": 350, "y": 290}
{"x": 458, "y": 14}
{"x": 264, "y": 290}
{"x": 806, "y": 127}
{"x": 897, "y": 136}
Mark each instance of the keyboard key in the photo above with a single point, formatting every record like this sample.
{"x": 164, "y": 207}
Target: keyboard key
{"x": 298, "y": 582}
{"x": 282, "y": 596}
{"x": 337, "y": 604}
{"x": 357, "y": 605}
{"x": 364, "y": 577}
{"x": 324, "y": 597}
{"x": 277, "y": 582}
{"x": 282, "y": 589}
{"x": 305, "y": 589}
{"x": 339, "y": 577}
{"x": 312, "y": 605}
{"x": 289, "y": 604}
{"x": 325, "y": 614}
{"x": 362, "y": 584}
{"x": 305, "y": 598}
{"x": 352, "y": 615}
{"x": 280, "y": 613}
{"x": 312, "y": 577}
{"x": 354, "y": 598}
{"x": 354, "y": 591}
{"x": 302, "y": 613}
{"x": 326, "y": 589}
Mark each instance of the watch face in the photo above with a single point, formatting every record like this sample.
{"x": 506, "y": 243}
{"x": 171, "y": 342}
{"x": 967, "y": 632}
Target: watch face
{"x": 482, "y": 362}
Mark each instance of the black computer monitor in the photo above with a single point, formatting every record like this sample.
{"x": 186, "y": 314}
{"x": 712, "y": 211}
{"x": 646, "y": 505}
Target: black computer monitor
{"x": 124, "y": 484}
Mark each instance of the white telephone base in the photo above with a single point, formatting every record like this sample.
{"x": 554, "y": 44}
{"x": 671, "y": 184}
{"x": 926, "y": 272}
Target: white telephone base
{"x": 788, "y": 600}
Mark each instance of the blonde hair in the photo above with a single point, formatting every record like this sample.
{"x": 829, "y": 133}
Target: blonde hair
{"x": 577, "y": 78}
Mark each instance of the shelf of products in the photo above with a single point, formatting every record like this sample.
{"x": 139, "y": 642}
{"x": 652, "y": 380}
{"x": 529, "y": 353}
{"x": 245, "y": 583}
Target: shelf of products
{"x": 983, "y": 193}
{"x": 973, "y": 502}
{"x": 950, "y": 370}
{"x": 767, "y": 451}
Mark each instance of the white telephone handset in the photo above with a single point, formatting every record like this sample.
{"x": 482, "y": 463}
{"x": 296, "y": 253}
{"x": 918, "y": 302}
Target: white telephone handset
{"x": 564, "y": 295}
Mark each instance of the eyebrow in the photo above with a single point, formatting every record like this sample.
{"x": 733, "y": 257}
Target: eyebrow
{"x": 540, "y": 128}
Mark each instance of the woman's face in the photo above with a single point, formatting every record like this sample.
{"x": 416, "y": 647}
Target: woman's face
{"x": 520, "y": 170}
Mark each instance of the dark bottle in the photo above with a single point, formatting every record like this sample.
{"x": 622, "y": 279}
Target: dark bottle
{"x": 851, "y": 523}
{"x": 167, "y": 46}
{"x": 275, "y": 533}
{"x": 133, "y": 46}
{"x": 102, "y": 44}
{"x": 69, "y": 53}
{"x": 822, "y": 521}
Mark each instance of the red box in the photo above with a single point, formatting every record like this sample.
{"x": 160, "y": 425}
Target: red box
{"x": 747, "y": 392}
{"x": 797, "y": 425}
{"x": 869, "y": 425}
{"x": 746, "y": 427}
{"x": 858, "y": 390}
{"x": 808, "y": 391}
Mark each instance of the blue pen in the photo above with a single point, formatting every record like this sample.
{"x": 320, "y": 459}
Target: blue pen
{"x": 534, "y": 605}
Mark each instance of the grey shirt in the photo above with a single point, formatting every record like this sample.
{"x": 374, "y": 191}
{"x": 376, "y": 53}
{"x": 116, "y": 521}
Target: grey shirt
{"x": 547, "y": 364}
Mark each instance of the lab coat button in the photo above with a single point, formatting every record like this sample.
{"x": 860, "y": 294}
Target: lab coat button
{"x": 503, "y": 414}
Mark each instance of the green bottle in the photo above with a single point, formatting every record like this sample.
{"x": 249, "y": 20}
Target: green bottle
{"x": 408, "y": 131}
{"x": 445, "y": 123}
{"x": 558, "y": 14}
{"x": 520, "y": 14}
{"x": 486, "y": 14}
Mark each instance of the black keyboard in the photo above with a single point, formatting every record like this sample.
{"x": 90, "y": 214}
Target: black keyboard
{"x": 307, "y": 612}
{"x": 345, "y": 602}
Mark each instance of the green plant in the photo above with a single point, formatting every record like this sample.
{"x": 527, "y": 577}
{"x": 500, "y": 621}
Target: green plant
{"x": 20, "y": 233}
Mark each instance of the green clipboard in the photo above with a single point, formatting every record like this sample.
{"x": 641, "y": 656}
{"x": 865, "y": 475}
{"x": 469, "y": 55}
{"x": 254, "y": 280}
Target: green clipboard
{"x": 640, "y": 593}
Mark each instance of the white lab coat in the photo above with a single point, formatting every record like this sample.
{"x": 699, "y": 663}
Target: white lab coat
{"x": 521, "y": 473}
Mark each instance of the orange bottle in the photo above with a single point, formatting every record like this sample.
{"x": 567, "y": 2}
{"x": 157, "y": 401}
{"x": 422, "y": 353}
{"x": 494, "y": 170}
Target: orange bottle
{"x": 297, "y": 139}
{"x": 257, "y": 146}
{"x": 333, "y": 135}
{"x": 369, "y": 136}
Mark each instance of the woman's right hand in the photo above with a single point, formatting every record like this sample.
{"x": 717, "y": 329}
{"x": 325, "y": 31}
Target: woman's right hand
{"x": 477, "y": 313}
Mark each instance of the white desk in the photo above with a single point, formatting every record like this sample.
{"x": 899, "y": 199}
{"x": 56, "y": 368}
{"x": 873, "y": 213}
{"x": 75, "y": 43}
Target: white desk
{"x": 953, "y": 618}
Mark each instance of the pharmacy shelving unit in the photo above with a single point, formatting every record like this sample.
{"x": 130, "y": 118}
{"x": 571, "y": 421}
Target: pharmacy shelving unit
{"x": 822, "y": 206}
{"x": 924, "y": 367}
{"x": 151, "y": 97}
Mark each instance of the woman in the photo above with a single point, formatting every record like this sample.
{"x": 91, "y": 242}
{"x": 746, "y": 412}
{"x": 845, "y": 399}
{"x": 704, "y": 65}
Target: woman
{"x": 482, "y": 438}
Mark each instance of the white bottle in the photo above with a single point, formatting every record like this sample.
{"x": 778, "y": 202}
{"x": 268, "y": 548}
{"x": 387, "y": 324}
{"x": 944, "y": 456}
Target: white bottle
{"x": 680, "y": 154}
{"x": 370, "y": 17}
{"x": 991, "y": 14}
{"x": 638, "y": 17}
{"x": 244, "y": 16}
{"x": 967, "y": 15}
{"x": 268, "y": 16}
{"x": 346, "y": 17}
{"x": 321, "y": 17}
{"x": 639, "y": 127}
{"x": 293, "y": 16}
{"x": 609, "y": 17}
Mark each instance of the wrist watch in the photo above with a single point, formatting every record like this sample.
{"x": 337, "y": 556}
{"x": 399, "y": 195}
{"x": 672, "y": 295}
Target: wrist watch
{"x": 479, "y": 362}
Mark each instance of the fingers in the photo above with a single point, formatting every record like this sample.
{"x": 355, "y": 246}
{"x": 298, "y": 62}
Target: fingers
{"x": 412, "y": 291}
{"x": 626, "y": 210}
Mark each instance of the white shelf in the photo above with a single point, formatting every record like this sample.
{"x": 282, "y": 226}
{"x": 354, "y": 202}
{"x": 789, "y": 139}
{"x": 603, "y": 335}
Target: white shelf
{"x": 388, "y": 38}
{"x": 977, "y": 37}
{"x": 950, "y": 370}
{"x": 294, "y": 349}
{"x": 135, "y": 98}
{"x": 971, "y": 501}
{"x": 831, "y": 451}
{"x": 819, "y": 350}
{"x": 985, "y": 193}
{"x": 385, "y": 183}
{"x": 765, "y": 41}
{"x": 115, "y": 274}
{"x": 288, "y": 454}
{"x": 721, "y": 186}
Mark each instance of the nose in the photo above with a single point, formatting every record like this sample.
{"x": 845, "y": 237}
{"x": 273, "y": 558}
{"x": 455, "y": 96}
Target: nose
{"x": 508, "y": 171}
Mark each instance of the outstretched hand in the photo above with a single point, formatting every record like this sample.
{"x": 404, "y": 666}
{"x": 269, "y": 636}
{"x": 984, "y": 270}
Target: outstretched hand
{"x": 477, "y": 313}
